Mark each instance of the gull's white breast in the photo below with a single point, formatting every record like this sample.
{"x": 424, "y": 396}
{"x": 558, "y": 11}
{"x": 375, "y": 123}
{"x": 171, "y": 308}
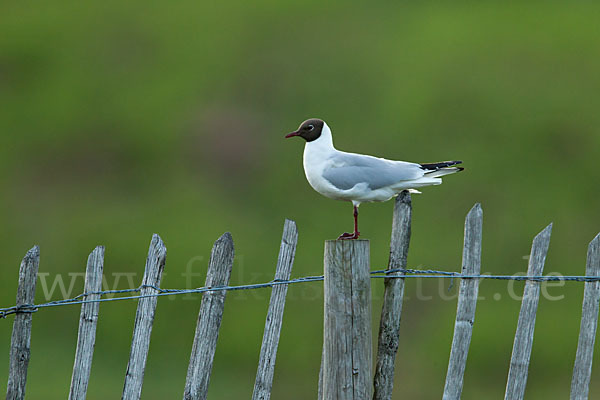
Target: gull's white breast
{"x": 315, "y": 161}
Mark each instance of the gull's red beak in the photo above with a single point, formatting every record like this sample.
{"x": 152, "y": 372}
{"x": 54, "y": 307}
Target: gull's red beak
{"x": 295, "y": 133}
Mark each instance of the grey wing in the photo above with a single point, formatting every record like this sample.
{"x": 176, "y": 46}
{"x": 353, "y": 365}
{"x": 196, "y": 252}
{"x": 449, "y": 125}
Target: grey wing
{"x": 350, "y": 169}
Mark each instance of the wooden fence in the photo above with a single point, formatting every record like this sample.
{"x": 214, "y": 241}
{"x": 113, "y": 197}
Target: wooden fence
{"x": 347, "y": 363}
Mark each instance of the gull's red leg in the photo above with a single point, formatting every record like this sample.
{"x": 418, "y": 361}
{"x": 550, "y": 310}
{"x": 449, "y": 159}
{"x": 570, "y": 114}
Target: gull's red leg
{"x": 356, "y": 234}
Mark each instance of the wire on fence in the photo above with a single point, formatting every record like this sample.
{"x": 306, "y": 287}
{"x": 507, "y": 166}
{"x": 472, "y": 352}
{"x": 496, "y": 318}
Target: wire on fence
{"x": 381, "y": 273}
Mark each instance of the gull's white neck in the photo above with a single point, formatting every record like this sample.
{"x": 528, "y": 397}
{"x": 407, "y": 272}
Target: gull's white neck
{"x": 324, "y": 144}
{"x": 318, "y": 154}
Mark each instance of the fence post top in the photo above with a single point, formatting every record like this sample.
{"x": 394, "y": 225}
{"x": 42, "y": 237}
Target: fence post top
{"x": 475, "y": 209}
{"x": 289, "y": 221}
{"x": 348, "y": 241}
{"x": 404, "y": 197}
{"x": 33, "y": 252}
{"x": 546, "y": 231}
{"x": 226, "y": 237}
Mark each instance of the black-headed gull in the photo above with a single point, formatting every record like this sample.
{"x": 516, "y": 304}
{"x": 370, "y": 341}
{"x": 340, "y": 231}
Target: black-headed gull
{"x": 360, "y": 178}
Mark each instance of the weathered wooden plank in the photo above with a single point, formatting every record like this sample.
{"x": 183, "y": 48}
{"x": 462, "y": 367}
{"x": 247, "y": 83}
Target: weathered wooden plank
{"x": 589, "y": 323}
{"x": 391, "y": 311}
{"x": 209, "y": 320}
{"x": 320, "y": 392}
{"x": 268, "y": 350}
{"x": 88, "y": 319}
{"x": 467, "y": 303}
{"x": 21, "y": 333}
{"x": 521, "y": 354}
{"x": 347, "y": 326}
{"x": 144, "y": 319}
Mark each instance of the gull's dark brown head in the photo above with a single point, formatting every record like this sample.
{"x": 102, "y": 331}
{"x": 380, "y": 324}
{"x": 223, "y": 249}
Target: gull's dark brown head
{"x": 309, "y": 130}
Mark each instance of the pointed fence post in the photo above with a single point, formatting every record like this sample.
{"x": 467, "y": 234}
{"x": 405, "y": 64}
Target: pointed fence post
{"x": 88, "y": 319}
{"x": 21, "y": 333}
{"x": 347, "y": 326}
{"x": 144, "y": 318}
{"x": 391, "y": 311}
{"x": 209, "y": 320}
{"x": 521, "y": 354}
{"x": 582, "y": 371}
{"x": 467, "y": 303}
{"x": 268, "y": 350}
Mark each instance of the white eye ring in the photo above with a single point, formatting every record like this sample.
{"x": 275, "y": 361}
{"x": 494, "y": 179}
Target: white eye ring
{"x": 311, "y": 128}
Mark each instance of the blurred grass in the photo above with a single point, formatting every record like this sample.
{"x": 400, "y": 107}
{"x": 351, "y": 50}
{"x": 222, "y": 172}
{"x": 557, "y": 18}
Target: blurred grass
{"x": 120, "y": 119}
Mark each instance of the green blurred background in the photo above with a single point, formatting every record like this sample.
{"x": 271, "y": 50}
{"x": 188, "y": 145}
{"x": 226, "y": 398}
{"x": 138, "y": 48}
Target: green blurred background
{"x": 121, "y": 119}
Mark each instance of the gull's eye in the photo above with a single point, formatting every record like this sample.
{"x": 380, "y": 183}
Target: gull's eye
{"x": 310, "y": 127}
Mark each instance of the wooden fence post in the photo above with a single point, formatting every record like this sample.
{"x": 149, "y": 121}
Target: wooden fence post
{"x": 268, "y": 350}
{"x": 320, "y": 389}
{"x": 467, "y": 303}
{"x": 21, "y": 333}
{"x": 144, "y": 318}
{"x": 347, "y": 326}
{"x": 88, "y": 319}
{"x": 391, "y": 311}
{"x": 209, "y": 320}
{"x": 589, "y": 323}
{"x": 521, "y": 354}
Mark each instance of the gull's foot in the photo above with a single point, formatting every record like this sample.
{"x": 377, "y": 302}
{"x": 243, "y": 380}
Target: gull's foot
{"x": 349, "y": 236}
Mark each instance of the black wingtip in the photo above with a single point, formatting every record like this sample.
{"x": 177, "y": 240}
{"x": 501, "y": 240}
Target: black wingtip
{"x": 439, "y": 165}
